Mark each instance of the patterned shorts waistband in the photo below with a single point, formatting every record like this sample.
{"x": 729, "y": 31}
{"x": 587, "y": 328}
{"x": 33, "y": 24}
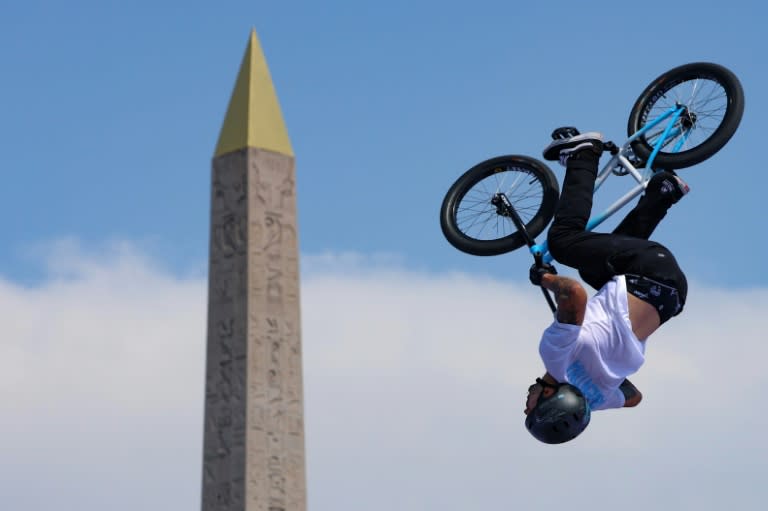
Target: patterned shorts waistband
{"x": 663, "y": 297}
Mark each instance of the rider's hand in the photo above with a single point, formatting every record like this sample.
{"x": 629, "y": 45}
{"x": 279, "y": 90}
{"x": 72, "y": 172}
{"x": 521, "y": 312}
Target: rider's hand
{"x": 538, "y": 271}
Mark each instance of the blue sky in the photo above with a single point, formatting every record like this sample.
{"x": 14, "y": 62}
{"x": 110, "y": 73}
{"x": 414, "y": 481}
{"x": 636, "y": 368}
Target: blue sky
{"x": 110, "y": 115}
{"x": 112, "y": 109}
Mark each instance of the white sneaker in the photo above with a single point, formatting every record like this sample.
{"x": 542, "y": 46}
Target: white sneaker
{"x": 562, "y": 149}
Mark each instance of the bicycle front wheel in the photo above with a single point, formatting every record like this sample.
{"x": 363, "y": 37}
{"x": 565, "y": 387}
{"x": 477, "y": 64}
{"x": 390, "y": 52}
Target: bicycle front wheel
{"x": 473, "y": 224}
{"x": 713, "y": 104}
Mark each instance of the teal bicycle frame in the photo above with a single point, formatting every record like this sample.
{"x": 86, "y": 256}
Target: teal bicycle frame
{"x": 620, "y": 161}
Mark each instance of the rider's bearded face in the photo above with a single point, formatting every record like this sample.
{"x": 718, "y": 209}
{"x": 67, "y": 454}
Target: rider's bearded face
{"x": 535, "y": 391}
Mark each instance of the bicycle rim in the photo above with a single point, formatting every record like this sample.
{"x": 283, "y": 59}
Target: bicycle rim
{"x": 706, "y": 103}
{"x": 478, "y": 219}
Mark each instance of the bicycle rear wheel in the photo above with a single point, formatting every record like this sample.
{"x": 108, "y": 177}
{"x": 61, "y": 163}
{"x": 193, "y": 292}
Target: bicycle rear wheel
{"x": 472, "y": 224}
{"x": 714, "y": 104}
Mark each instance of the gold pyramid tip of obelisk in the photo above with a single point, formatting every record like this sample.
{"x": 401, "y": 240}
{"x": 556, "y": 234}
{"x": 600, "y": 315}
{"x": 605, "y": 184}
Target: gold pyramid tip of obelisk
{"x": 253, "y": 117}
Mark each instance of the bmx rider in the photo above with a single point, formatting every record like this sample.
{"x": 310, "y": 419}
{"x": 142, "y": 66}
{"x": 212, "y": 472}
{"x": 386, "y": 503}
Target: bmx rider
{"x": 595, "y": 342}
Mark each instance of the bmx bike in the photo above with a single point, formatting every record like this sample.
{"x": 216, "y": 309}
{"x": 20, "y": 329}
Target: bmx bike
{"x": 682, "y": 118}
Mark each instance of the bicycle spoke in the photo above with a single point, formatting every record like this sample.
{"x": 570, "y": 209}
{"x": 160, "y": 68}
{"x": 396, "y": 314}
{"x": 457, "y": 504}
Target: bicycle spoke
{"x": 481, "y": 220}
{"x": 706, "y": 103}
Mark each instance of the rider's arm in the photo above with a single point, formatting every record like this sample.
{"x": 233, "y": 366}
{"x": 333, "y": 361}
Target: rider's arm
{"x": 632, "y": 396}
{"x": 570, "y": 297}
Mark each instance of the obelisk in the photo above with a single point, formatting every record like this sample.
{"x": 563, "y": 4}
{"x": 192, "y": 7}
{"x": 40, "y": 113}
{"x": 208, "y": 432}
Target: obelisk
{"x": 253, "y": 448}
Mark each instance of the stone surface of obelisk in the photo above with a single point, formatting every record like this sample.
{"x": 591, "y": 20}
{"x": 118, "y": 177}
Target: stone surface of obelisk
{"x": 253, "y": 449}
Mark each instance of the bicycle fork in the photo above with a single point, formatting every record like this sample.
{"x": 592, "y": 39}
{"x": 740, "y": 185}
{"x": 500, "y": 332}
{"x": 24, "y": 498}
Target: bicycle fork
{"x": 505, "y": 208}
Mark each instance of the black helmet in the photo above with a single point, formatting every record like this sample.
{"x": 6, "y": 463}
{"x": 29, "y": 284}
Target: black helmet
{"x": 560, "y": 417}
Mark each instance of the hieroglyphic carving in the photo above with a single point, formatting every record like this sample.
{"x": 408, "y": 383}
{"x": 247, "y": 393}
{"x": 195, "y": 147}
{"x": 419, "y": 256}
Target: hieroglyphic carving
{"x": 273, "y": 258}
{"x": 225, "y": 424}
{"x": 254, "y": 443}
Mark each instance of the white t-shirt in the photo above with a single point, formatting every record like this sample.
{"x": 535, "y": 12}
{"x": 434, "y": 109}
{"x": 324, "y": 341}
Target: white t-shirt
{"x": 597, "y": 356}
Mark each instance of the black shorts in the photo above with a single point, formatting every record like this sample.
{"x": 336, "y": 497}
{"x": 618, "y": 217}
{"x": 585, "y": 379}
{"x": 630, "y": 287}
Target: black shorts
{"x": 664, "y": 298}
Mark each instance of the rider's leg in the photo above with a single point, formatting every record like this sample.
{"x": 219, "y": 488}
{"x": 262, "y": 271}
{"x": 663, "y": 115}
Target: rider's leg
{"x": 663, "y": 190}
{"x": 568, "y": 241}
{"x": 599, "y": 257}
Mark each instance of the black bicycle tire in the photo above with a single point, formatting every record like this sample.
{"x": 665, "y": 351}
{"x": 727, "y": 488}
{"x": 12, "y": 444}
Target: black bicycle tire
{"x": 711, "y": 145}
{"x": 537, "y": 223}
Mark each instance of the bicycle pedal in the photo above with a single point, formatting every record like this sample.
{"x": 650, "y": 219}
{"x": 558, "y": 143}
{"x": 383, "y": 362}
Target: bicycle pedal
{"x": 564, "y": 132}
{"x": 611, "y": 148}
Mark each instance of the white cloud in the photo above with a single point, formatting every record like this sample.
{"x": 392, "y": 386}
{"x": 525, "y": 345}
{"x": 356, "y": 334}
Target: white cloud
{"x": 414, "y": 387}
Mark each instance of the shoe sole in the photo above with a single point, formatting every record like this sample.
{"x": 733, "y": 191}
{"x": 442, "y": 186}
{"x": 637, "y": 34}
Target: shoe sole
{"x": 552, "y": 151}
